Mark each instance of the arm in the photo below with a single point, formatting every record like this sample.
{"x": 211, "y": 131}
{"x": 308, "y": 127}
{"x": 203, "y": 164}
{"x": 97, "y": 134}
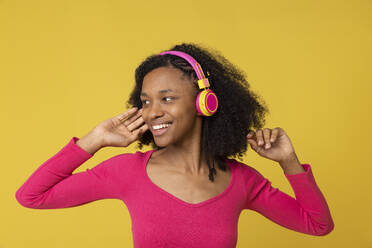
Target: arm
{"x": 308, "y": 213}
{"x": 54, "y": 186}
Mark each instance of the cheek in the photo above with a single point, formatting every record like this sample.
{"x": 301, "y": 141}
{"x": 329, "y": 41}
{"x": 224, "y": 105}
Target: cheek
{"x": 144, "y": 116}
{"x": 183, "y": 110}
{"x": 187, "y": 114}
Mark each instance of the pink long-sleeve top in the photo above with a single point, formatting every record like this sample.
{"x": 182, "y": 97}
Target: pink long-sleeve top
{"x": 160, "y": 219}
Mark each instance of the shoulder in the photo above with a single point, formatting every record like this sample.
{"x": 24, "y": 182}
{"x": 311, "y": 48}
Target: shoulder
{"x": 124, "y": 161}
{"x": 129, "y": 158}
{"x": 246, "y": 170}
{"x": 122, "y": 166}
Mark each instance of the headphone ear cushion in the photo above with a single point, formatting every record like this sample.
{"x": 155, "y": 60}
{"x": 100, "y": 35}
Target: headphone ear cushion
{"x": 206, "y": 102}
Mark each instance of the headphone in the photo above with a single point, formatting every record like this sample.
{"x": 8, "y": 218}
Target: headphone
{"x": 206, "y": 102}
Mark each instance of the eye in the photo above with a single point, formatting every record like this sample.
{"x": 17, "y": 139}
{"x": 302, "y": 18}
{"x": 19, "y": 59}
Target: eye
{"x": 143, "y": 102}
{"x": 168, "y": 98}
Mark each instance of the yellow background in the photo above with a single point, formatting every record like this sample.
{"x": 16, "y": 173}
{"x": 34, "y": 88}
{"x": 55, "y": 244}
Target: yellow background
{"x": 65, "y": 66}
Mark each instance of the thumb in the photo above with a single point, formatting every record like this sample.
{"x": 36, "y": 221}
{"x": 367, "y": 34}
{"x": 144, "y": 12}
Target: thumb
{"x": 253, "y": 144}
{"x": 138, "y": 133}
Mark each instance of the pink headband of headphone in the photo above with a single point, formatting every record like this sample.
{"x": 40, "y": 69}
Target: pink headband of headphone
{"x": 206, "y": 101}
{"x": 203, "y": 81}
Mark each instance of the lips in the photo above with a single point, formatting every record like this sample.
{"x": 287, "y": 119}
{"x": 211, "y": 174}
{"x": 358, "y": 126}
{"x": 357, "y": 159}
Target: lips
{"x": 159, "y": 123}
{"x": 160, "y": 131}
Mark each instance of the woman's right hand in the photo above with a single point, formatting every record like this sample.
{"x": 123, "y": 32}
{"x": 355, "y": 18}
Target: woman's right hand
{"x": 122, "y": 130}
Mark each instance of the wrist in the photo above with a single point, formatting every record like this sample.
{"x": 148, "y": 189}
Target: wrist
{"x": 91, "y": 142}
{"x": 291, "y": 165}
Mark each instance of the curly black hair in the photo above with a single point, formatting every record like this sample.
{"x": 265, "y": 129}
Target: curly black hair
{"x": 239, "y": 109}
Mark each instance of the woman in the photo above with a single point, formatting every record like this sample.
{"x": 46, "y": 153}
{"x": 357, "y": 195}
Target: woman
{"x": 186, "y": 191}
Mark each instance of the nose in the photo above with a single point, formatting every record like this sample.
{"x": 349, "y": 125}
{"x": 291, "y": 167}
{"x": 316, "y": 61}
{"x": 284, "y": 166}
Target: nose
{"x": 155, "y": 111}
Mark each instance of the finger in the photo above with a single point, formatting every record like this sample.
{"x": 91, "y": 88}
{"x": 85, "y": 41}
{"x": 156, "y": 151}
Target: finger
{"x": 250, "y": 134}
{"x": 132, "y": 118}
{"x": 124, "y": 116}
{"x": 135, "y": 124}
{"x": 260, "y": 140}
{"x": 140, "y": 130}
{"x": 274, "y": 134}
{"x": 266, "y": 133}
{"x": 143, "y": 128}
{"x": 253, "y": 144}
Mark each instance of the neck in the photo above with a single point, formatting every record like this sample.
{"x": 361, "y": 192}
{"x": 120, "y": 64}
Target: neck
{"x": 188, "y": 155}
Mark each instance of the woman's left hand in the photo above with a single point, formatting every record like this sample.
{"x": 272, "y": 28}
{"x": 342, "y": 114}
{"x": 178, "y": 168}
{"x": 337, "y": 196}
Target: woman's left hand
{"x": 272, "y": 144}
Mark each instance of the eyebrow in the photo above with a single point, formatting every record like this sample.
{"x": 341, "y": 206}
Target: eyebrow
{"x": 160, "y": 92}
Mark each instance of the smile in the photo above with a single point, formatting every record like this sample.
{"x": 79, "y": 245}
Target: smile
{"x": 158, "y": 130}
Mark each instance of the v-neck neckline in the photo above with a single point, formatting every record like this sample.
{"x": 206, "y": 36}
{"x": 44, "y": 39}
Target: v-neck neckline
{"x": 199, "y": 204}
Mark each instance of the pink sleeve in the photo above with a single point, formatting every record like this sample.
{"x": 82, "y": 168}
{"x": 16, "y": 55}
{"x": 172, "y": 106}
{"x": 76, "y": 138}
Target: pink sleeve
{"x": 308, "y": 213}
{"x": 53, "y": 185}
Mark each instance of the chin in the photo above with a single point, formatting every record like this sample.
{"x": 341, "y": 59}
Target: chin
{"x": 161, "y": 144}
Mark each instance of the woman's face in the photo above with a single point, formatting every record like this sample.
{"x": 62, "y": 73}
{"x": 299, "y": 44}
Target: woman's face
{"x": 168, "y": 96}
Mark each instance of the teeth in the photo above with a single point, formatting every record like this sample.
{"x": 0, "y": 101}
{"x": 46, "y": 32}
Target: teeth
{"x": 160, "y": 126}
